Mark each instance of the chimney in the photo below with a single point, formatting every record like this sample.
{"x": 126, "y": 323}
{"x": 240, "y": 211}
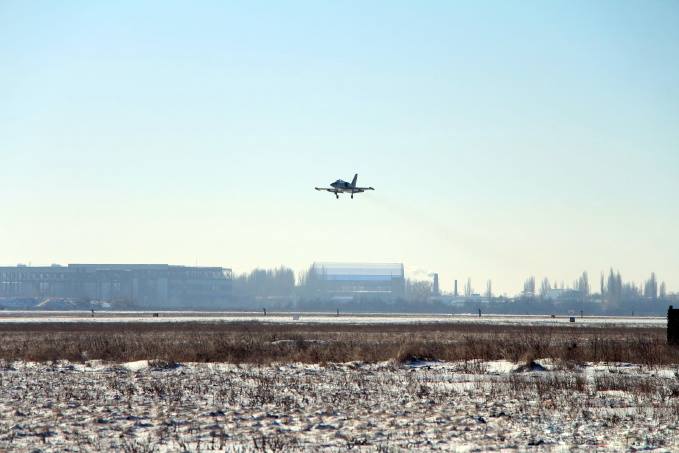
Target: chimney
{"x": 455, "y": 292}
{"x": 436, "y": 285}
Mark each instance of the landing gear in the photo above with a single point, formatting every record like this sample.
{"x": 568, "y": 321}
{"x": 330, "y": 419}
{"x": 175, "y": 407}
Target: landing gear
{"x": 352, "y": 196}
{"x": 336, "y": 195}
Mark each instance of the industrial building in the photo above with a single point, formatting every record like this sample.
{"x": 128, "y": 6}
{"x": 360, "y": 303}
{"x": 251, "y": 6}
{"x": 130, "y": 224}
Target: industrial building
{"x": 356, "y": 281}
{"x": 145, "y": 286}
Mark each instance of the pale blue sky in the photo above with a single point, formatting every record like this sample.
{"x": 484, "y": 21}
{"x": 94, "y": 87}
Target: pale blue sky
{"x": 504, "y": 138}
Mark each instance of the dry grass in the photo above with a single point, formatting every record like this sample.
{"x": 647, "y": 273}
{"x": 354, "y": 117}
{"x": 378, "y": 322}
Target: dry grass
{"x": 262, "y": 343}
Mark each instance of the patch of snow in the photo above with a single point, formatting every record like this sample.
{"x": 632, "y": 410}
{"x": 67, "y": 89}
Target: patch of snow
{"x": 500, "y": 366}
{"x": 136, "y": 365}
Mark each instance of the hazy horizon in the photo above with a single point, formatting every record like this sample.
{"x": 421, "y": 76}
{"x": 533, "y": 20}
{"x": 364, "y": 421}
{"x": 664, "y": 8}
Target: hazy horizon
{"x": 504, "y": 140}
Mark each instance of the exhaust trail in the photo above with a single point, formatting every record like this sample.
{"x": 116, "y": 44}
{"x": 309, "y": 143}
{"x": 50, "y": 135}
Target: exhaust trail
{"x": 459, "y": 238}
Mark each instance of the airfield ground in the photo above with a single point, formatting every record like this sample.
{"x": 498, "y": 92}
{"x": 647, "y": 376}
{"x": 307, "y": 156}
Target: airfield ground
{"x": 280, "y": 339}
{"x": 243, "y": 385}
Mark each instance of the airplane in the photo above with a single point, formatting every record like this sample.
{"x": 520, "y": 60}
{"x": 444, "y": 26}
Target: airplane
{"x": 340, "y": 186}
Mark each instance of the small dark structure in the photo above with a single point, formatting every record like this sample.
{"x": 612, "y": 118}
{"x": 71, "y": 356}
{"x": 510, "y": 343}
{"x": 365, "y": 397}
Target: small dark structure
{"x": 673, "y": 325}
{"x": 571, "y": 319}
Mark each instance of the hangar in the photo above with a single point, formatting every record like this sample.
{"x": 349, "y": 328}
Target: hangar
{"x": 355, "y": 281}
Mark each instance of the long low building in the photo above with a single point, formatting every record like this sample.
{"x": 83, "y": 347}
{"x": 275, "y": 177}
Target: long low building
{"x": 355, "y": 281}
{"x": 154, "y": 286}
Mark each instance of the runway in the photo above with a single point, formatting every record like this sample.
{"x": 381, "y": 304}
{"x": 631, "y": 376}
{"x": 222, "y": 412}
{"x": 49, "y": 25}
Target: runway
{"x": 7, "y": 317}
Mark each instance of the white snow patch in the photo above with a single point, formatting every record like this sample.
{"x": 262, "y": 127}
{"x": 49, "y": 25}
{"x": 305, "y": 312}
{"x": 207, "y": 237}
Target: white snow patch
{"x": 136, "y": 365}
{"x": 500, "y": 366}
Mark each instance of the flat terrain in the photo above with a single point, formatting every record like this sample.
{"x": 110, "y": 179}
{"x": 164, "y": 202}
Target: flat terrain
{"x": 258, "y": 342}
{"x": 385, "y": 406}
{"x": 318, "y": 318}
{"x": 244, "y": 385}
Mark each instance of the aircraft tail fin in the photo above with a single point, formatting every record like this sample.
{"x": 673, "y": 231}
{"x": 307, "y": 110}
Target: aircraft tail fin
{"x": 353, "y": 182}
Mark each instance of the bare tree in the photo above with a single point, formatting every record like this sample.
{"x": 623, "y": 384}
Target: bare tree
{"x": 545, "y": 287}
{"x": 651, "y": 287}
{"x": 529, "y": 286}
{"x": 468, "y": 291}
{"x": 418, "y": 290}
{"x": 614, "y": 287}
{"x": 582, "y": 284}
{"x": 489, "y": 289}
{"x": 265, "y": 282}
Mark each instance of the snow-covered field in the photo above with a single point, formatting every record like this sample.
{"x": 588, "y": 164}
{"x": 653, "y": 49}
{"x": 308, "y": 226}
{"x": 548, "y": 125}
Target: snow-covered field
{"x": 324, "y": 318}
{"x": 387, "y": 406}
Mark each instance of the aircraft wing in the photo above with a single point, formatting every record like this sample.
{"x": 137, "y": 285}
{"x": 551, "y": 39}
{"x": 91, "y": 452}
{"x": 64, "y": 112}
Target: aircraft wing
{"x": 327, "y": 189}
{"x": 364, "y": 188}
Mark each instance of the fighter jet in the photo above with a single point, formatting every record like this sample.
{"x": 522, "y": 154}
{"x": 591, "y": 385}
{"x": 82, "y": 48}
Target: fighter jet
{"x": 340, "y": 186}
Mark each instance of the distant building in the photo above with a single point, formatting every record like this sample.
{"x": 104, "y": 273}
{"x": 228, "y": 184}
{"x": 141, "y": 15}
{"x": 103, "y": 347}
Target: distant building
{"x": 355, "y": 281}
{"x": 556, "y": 294}
{"x": 152, "y": 286}
{"x": 474, "y": 298}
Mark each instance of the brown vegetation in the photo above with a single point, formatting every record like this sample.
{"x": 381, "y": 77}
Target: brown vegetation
{"x": 263, "y": 343}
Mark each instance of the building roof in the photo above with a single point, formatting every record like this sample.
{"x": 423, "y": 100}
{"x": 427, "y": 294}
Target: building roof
{"x": 110, "y": 267}
{"x": 359, "y": 271}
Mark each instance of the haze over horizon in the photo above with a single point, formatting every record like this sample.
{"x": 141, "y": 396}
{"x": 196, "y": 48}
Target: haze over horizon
{"x": 504, "y": 140}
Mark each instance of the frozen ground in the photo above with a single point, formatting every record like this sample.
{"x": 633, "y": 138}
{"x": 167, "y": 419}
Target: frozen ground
{"x": 324, "y": 318}
{"x": 463, "y": 406}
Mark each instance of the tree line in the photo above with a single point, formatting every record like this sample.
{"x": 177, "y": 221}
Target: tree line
{"x": 282, "y": 282}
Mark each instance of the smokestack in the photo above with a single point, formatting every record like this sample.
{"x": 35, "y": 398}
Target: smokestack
{"x": 436, "y": 285}
{"x": 455, "y": 292}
